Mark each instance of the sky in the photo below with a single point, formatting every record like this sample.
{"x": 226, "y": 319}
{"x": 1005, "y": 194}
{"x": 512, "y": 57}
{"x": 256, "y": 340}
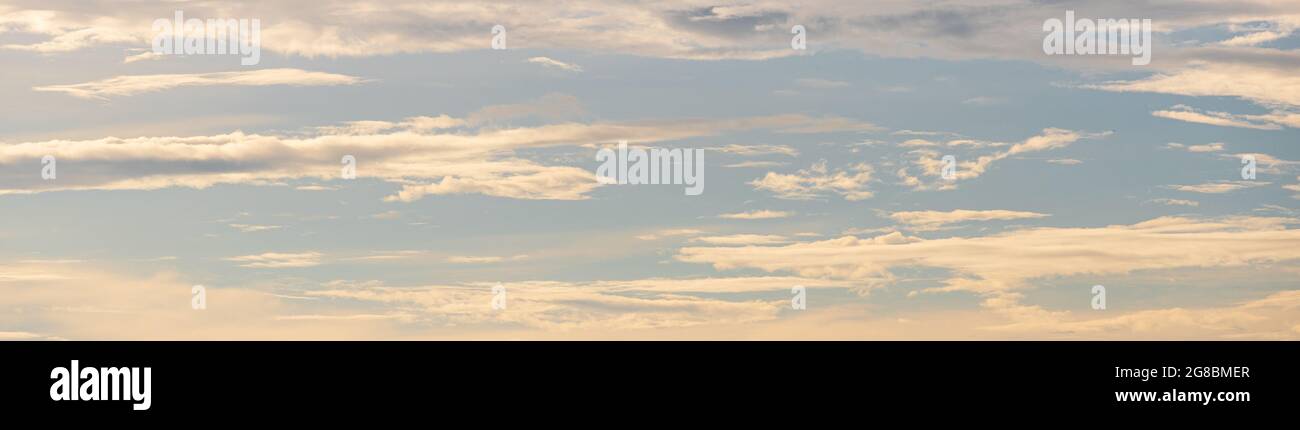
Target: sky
{"x": 197, "y": 197}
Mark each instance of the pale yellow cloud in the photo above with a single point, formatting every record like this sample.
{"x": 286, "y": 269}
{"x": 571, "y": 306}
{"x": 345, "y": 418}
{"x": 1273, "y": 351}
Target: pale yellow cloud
{"x": 1258, "y": 122}
{"x": 933, "y": 220}
{"x": 1000, "y": 266}
{"x": 418, "y": 154}
{"x": 86, "y": 303}
{"x": 1218, "y": 187}
{"x": 673, "y": 232}
{"x": 1264, "y": 84}
{"x": 931, "y": 164}
{"x": 1270, "y": 85}
{"x": 819, "y": 181}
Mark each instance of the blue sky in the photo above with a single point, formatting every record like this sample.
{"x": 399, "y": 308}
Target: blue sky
{"x": 476, "y": 167}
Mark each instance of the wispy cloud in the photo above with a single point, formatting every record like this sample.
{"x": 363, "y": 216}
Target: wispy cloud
{"x": 1187, "y": 114}
{"x": 751, "y": 164}
{"x": 818, "y": 83}
{"x": 757, "y": 150}
{"x": 676, "y": 232}
{"x": 742, "y": 239}
{"x": 276, "y": 260}
{"x": 423, "y": 160}
{"x": 930, "y": 161}
{"x": 758, "y": 214}
{"x": 1000, "y": 267}
{"x": 253, "y": 228}
{"x": 1218, "y": 187}
{"x": 1175, "y": 202}
{"x": 818, "y": 181}
{"x": 137, "y": 84}
{"x": 387, "y": 215}
{"x": 1209, "y": 147}
{"x": 459, "y": 259}
{"x": 933, "y": 220}
{"x": 555, "y": 64}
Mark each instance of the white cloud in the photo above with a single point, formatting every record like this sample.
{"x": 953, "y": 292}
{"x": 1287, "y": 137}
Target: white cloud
{"x": 1255, "y": 35}
{"x": 1274, "y": 86}
{"x": 19, "y": 335}
{"x": 417, "y": 154}
{"x": 1266, "y": 163}
{"x": 930, "y": 161}
{"x": 998, "y": 267}
{"x": 1187, "y": 114}
{"x": 1218, "y": 187}
{"x": 253, "y": 228}
{"x": 831, "y": 124}
{"x": 418, "y": 124}
{"x": 1289, "y": 187}
{"x": 742, "y": 239}
{"x": 1175, "y": 202}
{"x": 555, "y": 64}
{"x": 818, "y": 181}
{"x": 758, "y": 214}
{"x": 817, "y": 83}
{"x": 137, "y": 84}
{"x": 1260, "y": 319}
{"x": 917, "y": 143}
{"x": 670, "y": 233}
{"x": 1209, "y": 147}
{"x": 680, "y": 29}
{"x": 484, "y": 259}
{"x": 1257, "y": 82}
{"x": 757, "y": 150}
{"x": 88, "y": 304}
{"x": 984, "y": 101}
{"x": 756, "y": 164}
{"x": 315, "y": 187}
{"x": 923, "y": 133}
{"x": 933, "y": 220}
{"x": 276, "y": 260}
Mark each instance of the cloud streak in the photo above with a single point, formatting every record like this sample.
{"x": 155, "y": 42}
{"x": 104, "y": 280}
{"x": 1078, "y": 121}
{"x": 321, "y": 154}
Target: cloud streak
{"x": 122, "y": 86}
{"x": 934, "y": 220}
{"x": 424, "y": 156}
